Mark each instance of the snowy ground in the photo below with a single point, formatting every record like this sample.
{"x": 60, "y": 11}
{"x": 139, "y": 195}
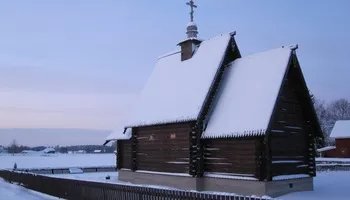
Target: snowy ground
{"x": 96, "y": 177}
{"x": 14, "y": 192}
{"x": 327, "y": 185}
{"x": 333, "y": 159}
{"x": 56, "y": 160}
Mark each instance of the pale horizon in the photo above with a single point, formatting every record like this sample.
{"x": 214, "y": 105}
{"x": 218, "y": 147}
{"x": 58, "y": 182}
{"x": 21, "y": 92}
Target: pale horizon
{"x": 80, "y": 64}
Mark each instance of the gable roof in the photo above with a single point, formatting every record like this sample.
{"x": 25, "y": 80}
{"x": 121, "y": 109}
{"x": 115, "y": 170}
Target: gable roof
{"x": 341, "y": 129}
{"x": 243, "y": 104}
{"x": 248, "y": 94}
{"x": 176, "y": 90}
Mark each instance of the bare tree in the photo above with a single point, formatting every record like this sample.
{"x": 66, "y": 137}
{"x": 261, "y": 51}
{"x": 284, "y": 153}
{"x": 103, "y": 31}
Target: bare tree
{"x": 322, "y": 114}
{"x": 13, "y": 148}
{"x": 339, "y": 110}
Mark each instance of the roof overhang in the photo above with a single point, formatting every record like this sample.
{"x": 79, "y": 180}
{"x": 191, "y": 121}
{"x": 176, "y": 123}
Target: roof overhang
{"x": 119, "y": 134}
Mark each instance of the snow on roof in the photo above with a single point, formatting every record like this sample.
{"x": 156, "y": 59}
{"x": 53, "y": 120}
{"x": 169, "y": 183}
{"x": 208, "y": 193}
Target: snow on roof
{"x": 119, "y": 134}
{"x": 248, "y": 94}
{"x": 341, "y": 129}
{"x": 327, "y": 148}
{"x": 177, "y": 89}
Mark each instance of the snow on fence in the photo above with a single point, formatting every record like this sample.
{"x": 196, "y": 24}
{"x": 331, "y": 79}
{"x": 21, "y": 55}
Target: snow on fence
{"x": 333, "y": 167}
{"x": 77, "y": 189}
{"x": 68, "y": 170}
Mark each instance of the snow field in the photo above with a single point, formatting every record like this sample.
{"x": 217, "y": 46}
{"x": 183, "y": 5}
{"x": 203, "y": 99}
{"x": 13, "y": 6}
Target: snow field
{"x": 56, "y": 160}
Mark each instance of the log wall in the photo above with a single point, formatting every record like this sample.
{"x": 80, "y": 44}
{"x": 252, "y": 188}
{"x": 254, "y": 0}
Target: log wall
{"x": 289, "y": 145}
{"x": 233, "y": 155}
{"x": 163, "y": 148}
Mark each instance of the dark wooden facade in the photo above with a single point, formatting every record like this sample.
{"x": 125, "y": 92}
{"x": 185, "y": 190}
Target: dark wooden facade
{"x": 287, "y": 147}
{"x": 162, "y": 148}
{"x": 292, "y": 131}
{"x": 240, "y": 156}
{"x": 342, "y": 149}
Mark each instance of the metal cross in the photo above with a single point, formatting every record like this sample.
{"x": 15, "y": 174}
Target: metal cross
{"x": 192, "y": 5}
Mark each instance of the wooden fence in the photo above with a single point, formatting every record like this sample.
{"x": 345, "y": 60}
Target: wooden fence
{"x": 332, "y": 166}
{"x": 77, "y": 189}
{"x": 66, "y": 170}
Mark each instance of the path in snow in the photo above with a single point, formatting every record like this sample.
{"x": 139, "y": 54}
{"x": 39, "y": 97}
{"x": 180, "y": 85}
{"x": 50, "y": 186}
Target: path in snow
{"x": 10, "y": 191}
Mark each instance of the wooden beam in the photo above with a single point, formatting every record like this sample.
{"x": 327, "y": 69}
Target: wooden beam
{"x": 119, "y": 154}
{"x": 134, "y": 150}
{"x": 193, "y": 151}
{"x": 260, "y": 159}
{"x": 268, "y": 157}
{"x": 200, "y": 154}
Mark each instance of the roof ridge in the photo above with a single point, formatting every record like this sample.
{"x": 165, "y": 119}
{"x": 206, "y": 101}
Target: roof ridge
{"x": 265, "y": 51}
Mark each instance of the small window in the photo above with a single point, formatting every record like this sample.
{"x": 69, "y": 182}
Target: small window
{"x": 173, "y": 136}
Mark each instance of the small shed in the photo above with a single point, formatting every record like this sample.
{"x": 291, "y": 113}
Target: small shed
{"x": 341, "y": 134}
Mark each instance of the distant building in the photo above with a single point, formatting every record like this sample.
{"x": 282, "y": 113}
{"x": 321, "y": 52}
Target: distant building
{"x": 341, "y": 134}
{"x": 80, "y": 151}
{"x": 98, "y": 151}
{"x": 49, "y": 150}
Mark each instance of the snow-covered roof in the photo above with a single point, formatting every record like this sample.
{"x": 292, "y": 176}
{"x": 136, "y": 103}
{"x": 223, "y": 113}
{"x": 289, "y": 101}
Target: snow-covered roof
{"x": 119, "y": 134}
{"x": 176, "y": 89}
{"x": 248, "y": 94}
{"x": 341, "y": 129}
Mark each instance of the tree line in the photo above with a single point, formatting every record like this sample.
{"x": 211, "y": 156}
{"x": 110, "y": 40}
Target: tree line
{"x": 14, "y": 147}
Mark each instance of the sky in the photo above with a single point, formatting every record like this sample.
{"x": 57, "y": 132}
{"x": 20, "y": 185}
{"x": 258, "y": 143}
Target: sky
{"x": 81, "y": 63}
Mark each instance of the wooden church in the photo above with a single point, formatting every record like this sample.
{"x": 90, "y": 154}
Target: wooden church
{"x": 210, "y": 119}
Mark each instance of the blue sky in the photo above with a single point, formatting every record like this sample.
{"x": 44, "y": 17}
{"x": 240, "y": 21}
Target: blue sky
{"x": 80, "y": 63}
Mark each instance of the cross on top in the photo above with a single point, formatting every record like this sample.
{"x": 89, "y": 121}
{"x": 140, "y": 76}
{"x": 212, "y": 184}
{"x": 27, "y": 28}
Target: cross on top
{"x": 192, "y": 5}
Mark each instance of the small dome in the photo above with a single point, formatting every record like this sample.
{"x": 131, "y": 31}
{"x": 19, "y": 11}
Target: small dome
{"x": 192, "y": 30}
